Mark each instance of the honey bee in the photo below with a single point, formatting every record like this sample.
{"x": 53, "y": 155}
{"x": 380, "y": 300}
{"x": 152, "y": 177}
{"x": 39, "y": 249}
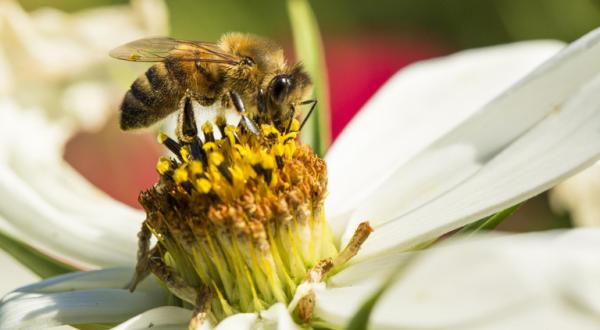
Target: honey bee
{"x": 245, "y": 71}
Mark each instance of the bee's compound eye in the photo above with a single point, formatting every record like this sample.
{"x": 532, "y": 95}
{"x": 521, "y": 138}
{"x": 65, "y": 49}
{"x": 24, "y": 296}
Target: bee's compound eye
{"x": 248, "y": 61}
{"x": 279, "y": 88}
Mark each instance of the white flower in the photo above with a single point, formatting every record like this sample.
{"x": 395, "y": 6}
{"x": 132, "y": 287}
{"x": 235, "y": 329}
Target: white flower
{"x": 444, "y": 143}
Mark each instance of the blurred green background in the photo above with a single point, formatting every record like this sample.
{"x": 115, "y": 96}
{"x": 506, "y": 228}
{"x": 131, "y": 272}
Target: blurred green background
{"x": 388, "y": 33}
{"x": 460, "y": 23}
{"x": 371, "y": 39}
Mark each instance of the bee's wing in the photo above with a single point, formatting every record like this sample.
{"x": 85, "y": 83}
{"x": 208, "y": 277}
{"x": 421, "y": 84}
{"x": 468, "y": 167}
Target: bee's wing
{"x": 160, "y": 48}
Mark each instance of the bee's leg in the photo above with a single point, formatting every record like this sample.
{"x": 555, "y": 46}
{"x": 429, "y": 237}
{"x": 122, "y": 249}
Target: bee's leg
{"x": 187, "y": 131}
{"x": 174, "y": 282}
{"x": 246, "y": 122}
{"x": 263, "y": 115}
{"x": 186, "y": 122}
{"x": 198, "y": 296}
{"x": 202, "y": 308}
{"x": 141, "y": 269}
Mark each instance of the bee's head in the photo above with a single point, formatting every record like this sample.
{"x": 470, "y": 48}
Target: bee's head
{"x": 285, "y": 92}
{"x": 264, "y": 66}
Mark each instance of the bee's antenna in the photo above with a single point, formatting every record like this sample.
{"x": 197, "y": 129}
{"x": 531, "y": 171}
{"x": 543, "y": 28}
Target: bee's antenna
{"x": 239, "y": 106}
{"x": 312, "y": 108}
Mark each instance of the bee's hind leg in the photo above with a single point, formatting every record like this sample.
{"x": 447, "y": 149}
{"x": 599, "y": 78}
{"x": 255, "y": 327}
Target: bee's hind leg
{"x": 142, "y": 268}
{"x": 200, "y": 313}
{"x": 174, "y": 282}
{"x": 199, "y": 296}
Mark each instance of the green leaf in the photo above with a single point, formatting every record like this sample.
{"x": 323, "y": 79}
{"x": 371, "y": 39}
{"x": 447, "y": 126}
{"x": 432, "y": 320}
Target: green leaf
{"x": 488, "y": 223}
{"x": 309, "y": 49}
{"x": 360, "y": 320}
{"x": 42, "y": 265}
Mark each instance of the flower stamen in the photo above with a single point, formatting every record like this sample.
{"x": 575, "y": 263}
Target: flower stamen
{"x": 238, "y": 217}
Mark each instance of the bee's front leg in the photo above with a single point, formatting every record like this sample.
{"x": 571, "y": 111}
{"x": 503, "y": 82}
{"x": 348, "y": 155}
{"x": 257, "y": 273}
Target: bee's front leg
{"x": 143, "y": 255}
{"x": 245, "y": 121}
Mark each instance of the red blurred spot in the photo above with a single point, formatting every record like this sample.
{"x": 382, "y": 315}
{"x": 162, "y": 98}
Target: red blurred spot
{"x": 357, "y": 67}
{"x": 119, "y": 163}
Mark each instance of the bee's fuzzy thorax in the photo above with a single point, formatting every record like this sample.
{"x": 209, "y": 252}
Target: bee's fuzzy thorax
{"x": 267, "y": 54}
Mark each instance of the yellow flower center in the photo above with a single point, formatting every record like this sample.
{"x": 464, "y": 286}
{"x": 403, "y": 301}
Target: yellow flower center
{"x": 241, "y": 215}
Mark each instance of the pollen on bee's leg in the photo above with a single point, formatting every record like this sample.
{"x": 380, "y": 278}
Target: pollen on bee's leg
{"x": 186, "y": 123}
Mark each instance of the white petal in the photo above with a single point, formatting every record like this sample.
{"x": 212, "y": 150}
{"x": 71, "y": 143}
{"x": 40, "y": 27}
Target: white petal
{"x": 111, "y": 278}
{"x": 13, "y": 274}
{"x": 241, "y": 321}
{"x": 161, "y": 318}
{"x": 527, "y": 281}
{"x": 537, "y": 133}
{"x": 547, "y": 315}
{"x": 579, "y": 196}
{"x": 78, "y": 307}
{"x": 80, "y": 223}
{"x": 97, "y": 240}
{"x": 79, "y": 298}
{"x": 414, "y": 108}
{"x": 277, "y": 317}
{"x": 360, "y": 271}
{"x": 38, "y": 161}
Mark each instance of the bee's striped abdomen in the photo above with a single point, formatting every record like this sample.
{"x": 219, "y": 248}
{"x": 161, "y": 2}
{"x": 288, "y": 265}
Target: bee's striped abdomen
{"x": 151, "y": 97}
